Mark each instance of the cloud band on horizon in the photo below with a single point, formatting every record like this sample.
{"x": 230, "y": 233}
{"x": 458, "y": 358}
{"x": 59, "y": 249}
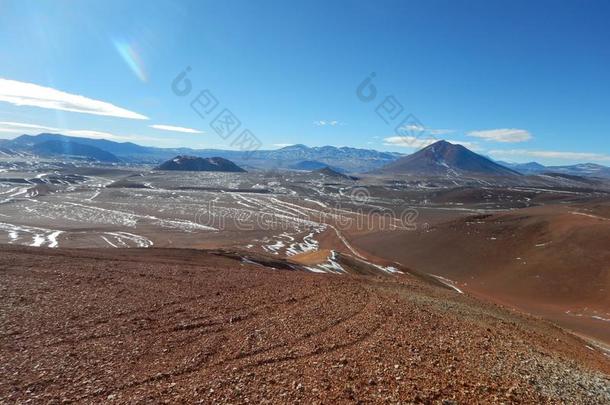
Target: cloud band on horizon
{"x": 174, "y": 128}
{"x": 417, "y": 142}
{"x": 30, "y": 94}
{"x": 27, "y": 128}
{"x": 507, "y": 135}
{"x": 551, "y": 154}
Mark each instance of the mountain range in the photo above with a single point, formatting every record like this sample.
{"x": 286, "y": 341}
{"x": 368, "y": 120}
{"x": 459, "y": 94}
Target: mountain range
{"x": 439, "y": 159}
{"x": 73, "y": 150}
{"x": 341, "y": 158}
{"x": 581, "y": 169}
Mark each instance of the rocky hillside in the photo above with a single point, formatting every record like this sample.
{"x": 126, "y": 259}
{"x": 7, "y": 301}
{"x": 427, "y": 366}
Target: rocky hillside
{"x": 446, "y": 159}
{"x": 197, "y": 164}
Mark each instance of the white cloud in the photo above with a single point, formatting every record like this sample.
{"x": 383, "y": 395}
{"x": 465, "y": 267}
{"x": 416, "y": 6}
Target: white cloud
{"x": 580, "y": 156}
{"x": 14, "y": 127}
{"x": 412, "y": 128}
{"x": 87, "y": 133}
{"x": 19, "y": 128}
{"x": 176, "y": 129}
{"x": 30, "y": 94}
{"x": 330, "y": 123}
{"x": 408, "y": 141}
{"x": 420, "y": 129}
{"x": 508, "y": 135}
{"x": 441, "y": 131}
{"x": 282, "y": 145}
{"x": 417, "y": 143}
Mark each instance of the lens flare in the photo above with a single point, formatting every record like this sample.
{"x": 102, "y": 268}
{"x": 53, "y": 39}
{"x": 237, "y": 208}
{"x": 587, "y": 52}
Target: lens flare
{"x": 130, "y": 55}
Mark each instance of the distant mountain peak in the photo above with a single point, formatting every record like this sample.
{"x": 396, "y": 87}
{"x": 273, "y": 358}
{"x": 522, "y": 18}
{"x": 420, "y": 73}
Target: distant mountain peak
{"x": 444, "y": 158}
{"x": 443, "y": 143}
{"x": 296, "y": 146}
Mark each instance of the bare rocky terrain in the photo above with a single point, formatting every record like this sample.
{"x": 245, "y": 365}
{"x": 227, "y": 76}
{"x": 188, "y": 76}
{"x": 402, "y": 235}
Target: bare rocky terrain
{"x": 551, "y": 260}
{"x": 294, "y": 286}
{"x": 148, "y": 326}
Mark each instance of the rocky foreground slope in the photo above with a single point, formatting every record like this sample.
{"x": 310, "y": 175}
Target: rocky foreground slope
{"x": 550, "y": 260}
{"x": 157, "y": 325}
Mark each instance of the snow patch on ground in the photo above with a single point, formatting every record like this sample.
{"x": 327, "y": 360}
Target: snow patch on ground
{"x": 31, "y": 236}
{"x": 331, "y": 266}
{"x": 126, "y": 239}
{"x": 447, "y": 282}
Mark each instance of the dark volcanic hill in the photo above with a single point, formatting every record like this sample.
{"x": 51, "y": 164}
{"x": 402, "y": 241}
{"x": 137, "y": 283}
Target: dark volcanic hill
{"x": 197, "y": 164}
{"x": 446, "y": 159}
{"x": 330, "y": 172}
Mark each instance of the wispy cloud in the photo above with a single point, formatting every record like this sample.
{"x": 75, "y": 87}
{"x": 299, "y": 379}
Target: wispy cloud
{"x": 173, "y": 128}
{"x": 14, "y": 127}
{"x": 282, "y": 145}
{"x": 507, "y": 135}
{"x": 546, "y": 154}
{"x": 328, "y": 123}
{"x": 416, "y": 142}
{"x": 419, "y": 129}
{"x": 407, "y": 141}
{"x": 88, "y": 133}
{"x": 20, "y": 128}
{"x": 30, "y": 94}
{"x": 412, "y": 129}
{"x": 441, "y": 131}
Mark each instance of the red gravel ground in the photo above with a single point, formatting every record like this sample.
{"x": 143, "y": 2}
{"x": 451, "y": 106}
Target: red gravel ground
{"x": 154, "y": 326}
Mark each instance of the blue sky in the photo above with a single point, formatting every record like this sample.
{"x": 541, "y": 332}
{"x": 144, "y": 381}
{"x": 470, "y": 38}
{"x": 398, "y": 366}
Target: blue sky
{"x": 516, "y": 80}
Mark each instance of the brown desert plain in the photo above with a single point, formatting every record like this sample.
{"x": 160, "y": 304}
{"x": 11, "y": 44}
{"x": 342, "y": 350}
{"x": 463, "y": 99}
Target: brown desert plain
{"x": 141, "y": 286}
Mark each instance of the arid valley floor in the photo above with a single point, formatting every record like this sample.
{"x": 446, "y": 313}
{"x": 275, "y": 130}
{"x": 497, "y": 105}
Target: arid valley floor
{"x": 132, "y": 285}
